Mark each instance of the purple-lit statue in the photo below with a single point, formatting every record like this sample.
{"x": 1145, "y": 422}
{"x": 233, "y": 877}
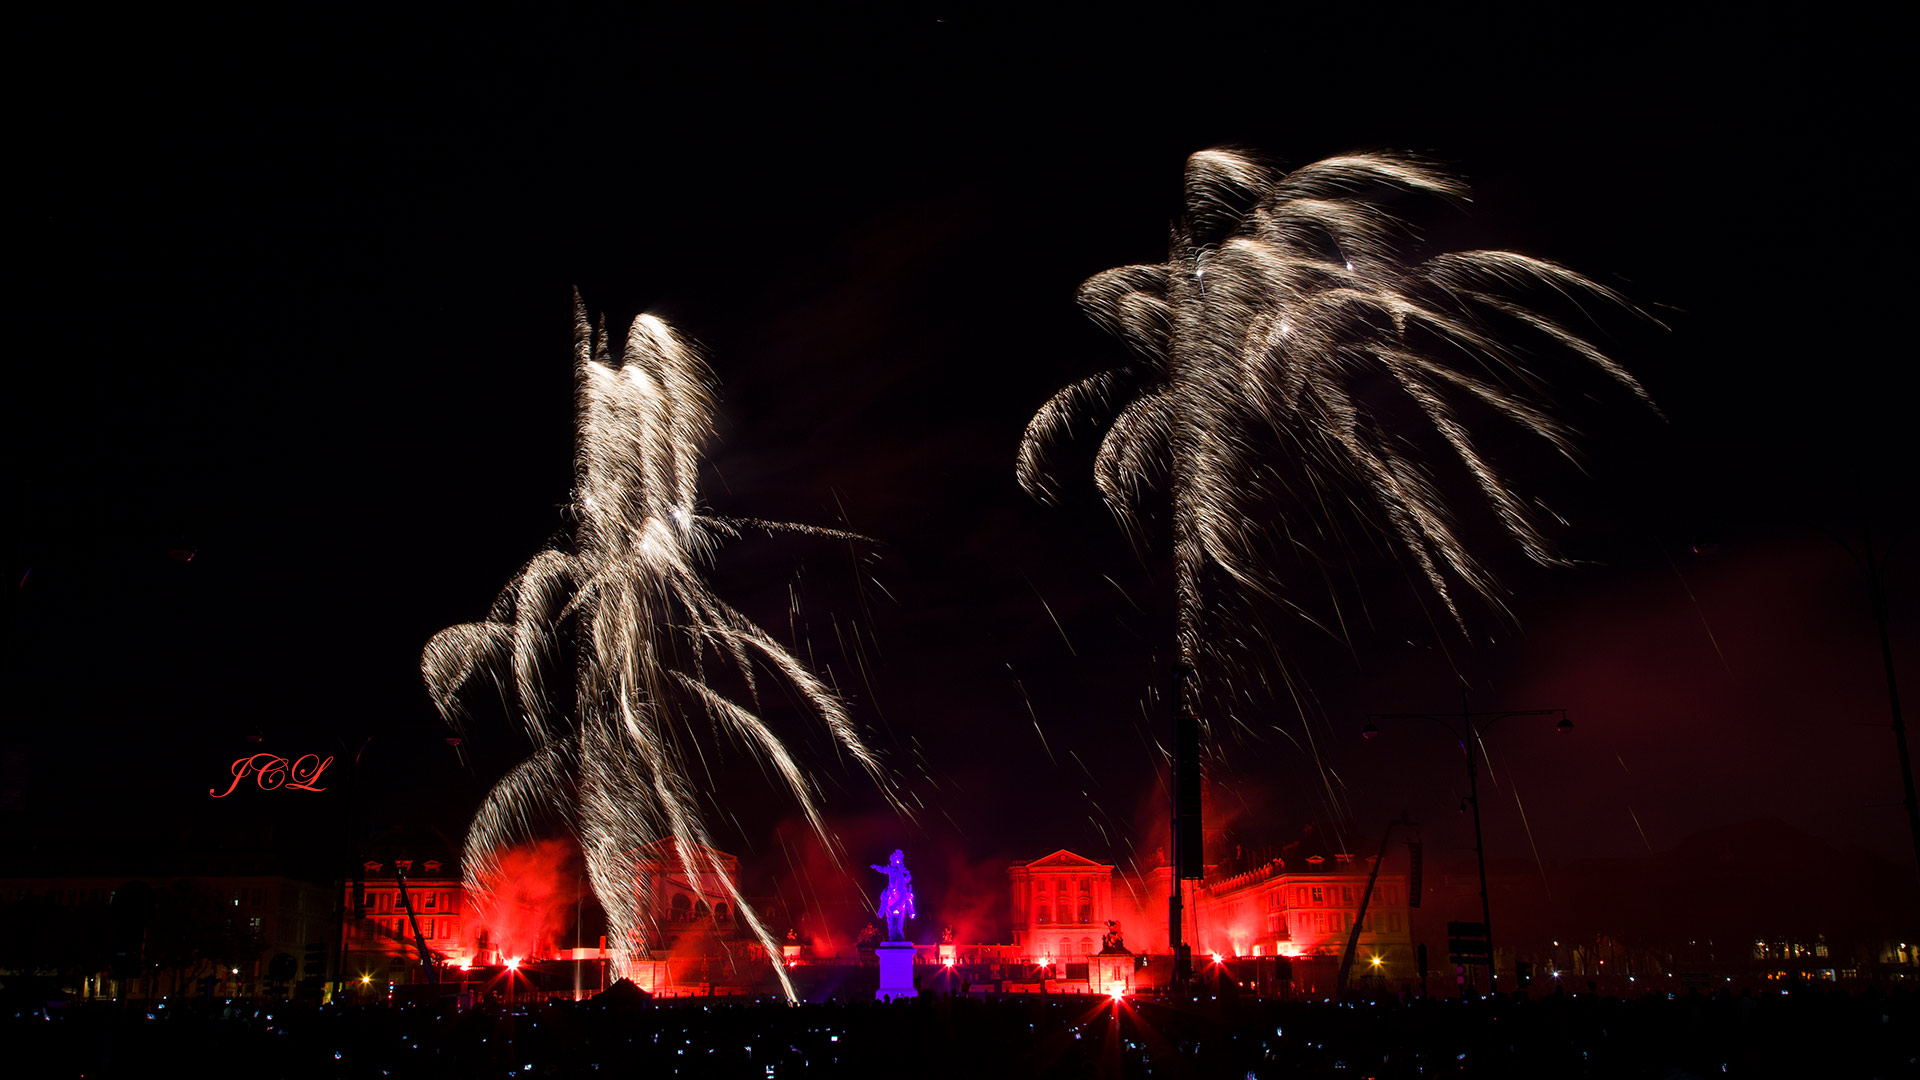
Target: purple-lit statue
{"x": 896, "y": 899}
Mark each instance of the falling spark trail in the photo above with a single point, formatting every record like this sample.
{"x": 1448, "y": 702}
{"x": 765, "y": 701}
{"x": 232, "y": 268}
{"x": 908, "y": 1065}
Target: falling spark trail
{"x": 647, "y": 636}
{"x": 1698, "y": 611}
{"x": 1049, "y": 609}
{"x": 1037, "y": 730}
{"x": 1537, "y": 861}
{"x": 1124, "y": 595}
{"x": 956, "y": 825}
{"x": 884, "y": 591}
{"x": 1083, "y": 768}
{"x": 1481, "y": 743}
{"x": 1636, "y": 825}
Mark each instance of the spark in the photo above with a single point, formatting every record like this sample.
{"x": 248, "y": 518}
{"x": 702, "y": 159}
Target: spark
{"x": 623, "y": 592}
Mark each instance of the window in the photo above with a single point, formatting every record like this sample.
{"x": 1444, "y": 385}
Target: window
{"x": 253, "y": 924}
{"x": 1346, "y": 894}
{"x": 1319, "y": 895}
{"x": 430, "y": 902}
{"x": 1086, "y": 884}
{"x": 1086, "y": 909}
{"x": 680, "y": 908}
{"x": 1086, "y": 945}
{"x": 1045, "y": 914}
{"x": 720, "y": 912}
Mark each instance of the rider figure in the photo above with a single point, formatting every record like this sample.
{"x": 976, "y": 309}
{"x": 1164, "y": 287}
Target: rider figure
{"x": 896, "y": 897}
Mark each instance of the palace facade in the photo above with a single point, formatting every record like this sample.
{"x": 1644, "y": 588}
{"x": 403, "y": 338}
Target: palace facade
{"x": 1303, "y": 901}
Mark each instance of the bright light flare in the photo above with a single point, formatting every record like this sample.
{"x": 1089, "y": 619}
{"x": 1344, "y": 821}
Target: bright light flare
{"x": 513, "y": 963}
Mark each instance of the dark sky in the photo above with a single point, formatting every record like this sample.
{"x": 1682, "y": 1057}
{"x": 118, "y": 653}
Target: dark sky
{"x": 296, "y": 297}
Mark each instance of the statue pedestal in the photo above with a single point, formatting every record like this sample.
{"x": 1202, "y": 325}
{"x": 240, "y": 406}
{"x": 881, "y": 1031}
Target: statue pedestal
{"x": 1111, "y": 972}
{"x": 896, "y": 970}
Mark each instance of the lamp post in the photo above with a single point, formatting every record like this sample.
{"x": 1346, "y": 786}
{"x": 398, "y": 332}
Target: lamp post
{"x": 1468, "y": 736}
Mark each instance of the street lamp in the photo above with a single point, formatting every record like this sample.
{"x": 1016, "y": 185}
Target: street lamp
{"x": 1467, "y": 735}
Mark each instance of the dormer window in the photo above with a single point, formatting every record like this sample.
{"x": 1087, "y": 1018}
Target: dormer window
{"x": 405, "y": 866}
{"x": 372, "y": 867}
{"x": 433, "y": 866}
{"x": 1316, "y": 860}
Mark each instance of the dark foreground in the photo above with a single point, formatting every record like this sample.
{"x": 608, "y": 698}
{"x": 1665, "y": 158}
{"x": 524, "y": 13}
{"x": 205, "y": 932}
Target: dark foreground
{"x": 1805, "y": 1033}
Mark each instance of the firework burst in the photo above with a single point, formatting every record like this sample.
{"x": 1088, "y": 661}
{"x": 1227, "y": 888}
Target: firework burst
{"x": 623, "y": 601}
{"x": 1283, "y": 294}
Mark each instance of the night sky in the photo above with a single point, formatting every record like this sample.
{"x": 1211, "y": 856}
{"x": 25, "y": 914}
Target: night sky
{"x": 296, "y": 295}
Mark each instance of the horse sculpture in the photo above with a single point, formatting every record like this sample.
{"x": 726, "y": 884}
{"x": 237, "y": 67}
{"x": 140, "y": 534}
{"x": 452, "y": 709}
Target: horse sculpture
{"x": 896, "y": 897}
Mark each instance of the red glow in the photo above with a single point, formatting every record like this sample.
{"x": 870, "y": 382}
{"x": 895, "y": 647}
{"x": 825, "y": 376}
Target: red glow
{"x": 513, "y": 963}
{"x": 524, "y": 908}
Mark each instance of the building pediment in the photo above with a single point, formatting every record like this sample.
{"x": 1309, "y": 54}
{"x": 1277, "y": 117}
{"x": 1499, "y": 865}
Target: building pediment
{"x": 1064, "y": 860}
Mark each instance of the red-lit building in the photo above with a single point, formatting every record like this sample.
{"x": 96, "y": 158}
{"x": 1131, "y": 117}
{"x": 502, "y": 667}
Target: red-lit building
{"x": 674, "y": 905}
{"x": 1306, "y": 908}
{"x": 1060, "y": 905}
{"x": 380, "y": 942}
{"x": 1301, "y": 903}
{"x": 682, "y": 914}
